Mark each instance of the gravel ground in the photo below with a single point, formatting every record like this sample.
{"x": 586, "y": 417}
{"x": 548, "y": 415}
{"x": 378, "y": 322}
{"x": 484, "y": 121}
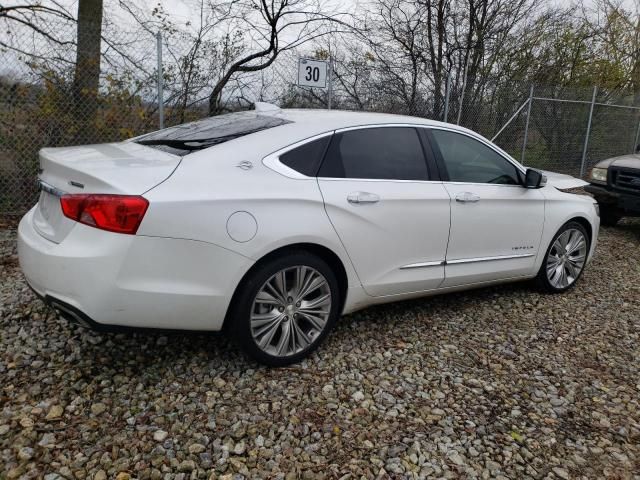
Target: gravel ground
{"x": 501, "y": 382}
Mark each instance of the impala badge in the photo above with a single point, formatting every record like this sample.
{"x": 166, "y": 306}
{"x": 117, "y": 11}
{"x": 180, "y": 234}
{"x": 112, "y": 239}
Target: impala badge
{"x": 245, "y": 165}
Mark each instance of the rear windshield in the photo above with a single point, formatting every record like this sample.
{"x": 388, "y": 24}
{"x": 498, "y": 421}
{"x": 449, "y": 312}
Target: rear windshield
{"x": 188, "y": 137}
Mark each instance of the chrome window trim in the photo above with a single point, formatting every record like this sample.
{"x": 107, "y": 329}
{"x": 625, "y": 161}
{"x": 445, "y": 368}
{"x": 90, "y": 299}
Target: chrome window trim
{"x": 382, "y": 125}
{"x": 272, "y": 161}
{"x": 333, "y": 179}
{"x": 521, "y": 168}
{"x": 485, "y": 184}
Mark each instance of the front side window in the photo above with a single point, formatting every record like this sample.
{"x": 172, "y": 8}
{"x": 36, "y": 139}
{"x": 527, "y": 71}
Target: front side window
{"x": 468, "y": 160}
{"x": 386, "y": 153}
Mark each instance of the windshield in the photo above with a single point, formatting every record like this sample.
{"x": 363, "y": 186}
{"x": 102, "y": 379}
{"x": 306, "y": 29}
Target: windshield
{"x": 185, "y": 138}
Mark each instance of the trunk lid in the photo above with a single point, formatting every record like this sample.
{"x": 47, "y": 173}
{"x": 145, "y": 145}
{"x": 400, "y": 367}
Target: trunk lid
{"x": 117, "y": 168}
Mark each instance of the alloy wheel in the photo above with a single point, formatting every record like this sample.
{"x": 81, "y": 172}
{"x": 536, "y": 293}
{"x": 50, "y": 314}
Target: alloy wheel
{"x": 566, "y": 258}
{"x": 290, "y": 311}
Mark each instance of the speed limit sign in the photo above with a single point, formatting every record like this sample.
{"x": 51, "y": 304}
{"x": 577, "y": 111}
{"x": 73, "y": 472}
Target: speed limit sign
{"x": 312, "y": 73}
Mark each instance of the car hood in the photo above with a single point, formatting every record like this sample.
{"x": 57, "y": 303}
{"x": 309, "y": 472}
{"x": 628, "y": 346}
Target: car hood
{"x": 630, "y": 161}
{"x": 562, "y": 181}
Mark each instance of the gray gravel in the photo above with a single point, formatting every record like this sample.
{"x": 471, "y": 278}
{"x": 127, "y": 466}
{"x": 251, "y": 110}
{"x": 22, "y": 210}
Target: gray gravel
{"x": 501, "y": 382}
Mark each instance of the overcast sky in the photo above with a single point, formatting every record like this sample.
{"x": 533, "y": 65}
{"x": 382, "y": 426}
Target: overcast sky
{"x": 181, "y": 9}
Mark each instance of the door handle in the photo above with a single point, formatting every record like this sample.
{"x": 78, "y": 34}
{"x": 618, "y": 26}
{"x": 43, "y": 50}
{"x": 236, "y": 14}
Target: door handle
{"x": 467, "y": 197}
{"x": 363, "y": 197}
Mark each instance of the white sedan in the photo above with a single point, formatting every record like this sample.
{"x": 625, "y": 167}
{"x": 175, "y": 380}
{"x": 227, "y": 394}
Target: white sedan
{"x": 273, "y": 223}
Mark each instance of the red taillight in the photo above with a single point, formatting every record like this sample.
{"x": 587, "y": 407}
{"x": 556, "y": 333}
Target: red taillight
{"x": 115, "y": 213}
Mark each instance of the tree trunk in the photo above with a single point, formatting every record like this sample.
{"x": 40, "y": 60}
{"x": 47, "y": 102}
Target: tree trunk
{"x": 215, "y": 100}
{"x": 87, "y": 73}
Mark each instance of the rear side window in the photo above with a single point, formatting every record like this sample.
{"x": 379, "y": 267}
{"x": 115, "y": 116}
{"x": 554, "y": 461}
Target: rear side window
{"x": 385, "y": 153}
{"x": 306, "y": 158}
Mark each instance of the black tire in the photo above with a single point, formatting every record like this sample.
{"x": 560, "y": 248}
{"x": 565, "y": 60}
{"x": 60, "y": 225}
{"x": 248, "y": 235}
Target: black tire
{"x": 244, "y": 299}
{"x": 542, "y": 279}
{"x": 609, "y": 217}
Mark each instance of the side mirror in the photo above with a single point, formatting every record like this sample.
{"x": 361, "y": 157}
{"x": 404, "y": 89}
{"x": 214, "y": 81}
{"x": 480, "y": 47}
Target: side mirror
{"x": 638, "y": 148}
{"x": 534, "y": 179}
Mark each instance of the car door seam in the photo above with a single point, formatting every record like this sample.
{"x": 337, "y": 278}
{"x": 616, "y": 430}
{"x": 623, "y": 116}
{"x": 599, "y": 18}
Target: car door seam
{"x": 446, "y": 252}
{"x": 324, "y": 206}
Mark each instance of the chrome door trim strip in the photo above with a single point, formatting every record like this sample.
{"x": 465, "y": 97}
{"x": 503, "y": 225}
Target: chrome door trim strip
{"x": 487, "y": 259}
{"x": 44, "y": 186}
{"x": 465, "y": 260}
{"x": 423, "y": 264}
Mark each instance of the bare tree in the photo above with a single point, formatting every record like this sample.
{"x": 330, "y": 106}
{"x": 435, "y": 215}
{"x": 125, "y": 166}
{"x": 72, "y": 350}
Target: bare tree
{"x": 36, "y": 17}
{"x": 273, "y": 28}
{"x": 86, "y": 79}
{"x": 41, "y": 24}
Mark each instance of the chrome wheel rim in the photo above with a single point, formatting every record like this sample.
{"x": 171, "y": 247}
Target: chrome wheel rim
{"x": 290, "y": 311}
{"x": 566, "y": 258}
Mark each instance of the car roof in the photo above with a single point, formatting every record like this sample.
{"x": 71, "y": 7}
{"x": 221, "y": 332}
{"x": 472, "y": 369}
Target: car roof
{"x": 304, "y": 124}
{"x": 319, "y": 121}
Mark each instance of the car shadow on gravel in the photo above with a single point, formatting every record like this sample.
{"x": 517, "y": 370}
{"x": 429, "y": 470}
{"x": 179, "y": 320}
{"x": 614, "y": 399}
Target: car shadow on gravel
{"x": 627, "y": 226}
{"x": 153, "y": 350}
{"x": 165, "y": 350}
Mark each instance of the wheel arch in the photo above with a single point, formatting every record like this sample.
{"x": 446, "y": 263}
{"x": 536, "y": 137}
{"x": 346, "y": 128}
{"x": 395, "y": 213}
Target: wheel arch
{"x": 555, "y": 224}
{"x": 325, "y": 253}
{"x": 586, "y": 224}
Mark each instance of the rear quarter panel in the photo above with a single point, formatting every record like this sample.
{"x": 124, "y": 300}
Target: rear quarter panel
{"x": 197, "y": 201}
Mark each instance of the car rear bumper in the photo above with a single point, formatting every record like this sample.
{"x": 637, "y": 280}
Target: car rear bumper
{"x": 98, "y": 278}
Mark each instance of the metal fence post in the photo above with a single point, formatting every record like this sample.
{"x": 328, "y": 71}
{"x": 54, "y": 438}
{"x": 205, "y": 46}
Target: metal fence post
{"x": 330, "y": 87}
{"x": 526, "y": 126}
{"x": 586, "y": 137}
{"x": 447, "y": 93}
{"x": 637, "y": 142}
{"x": 464, "y": 87}
{"x": 160, "y": 92}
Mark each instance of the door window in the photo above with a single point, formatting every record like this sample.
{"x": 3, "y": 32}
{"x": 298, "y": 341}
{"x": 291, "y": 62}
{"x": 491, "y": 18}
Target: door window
{"x": 470, "y": 161}
{"x": 388, "y": 153}
{"x": 306, "y": 158}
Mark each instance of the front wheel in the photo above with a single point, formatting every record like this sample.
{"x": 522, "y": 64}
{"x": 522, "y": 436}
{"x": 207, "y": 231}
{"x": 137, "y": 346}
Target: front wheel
{"x": 285, "y": 308}
{"x": 565, "y": 258}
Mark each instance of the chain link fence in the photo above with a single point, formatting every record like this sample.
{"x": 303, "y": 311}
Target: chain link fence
{"x": 557, "y": 129}
{"x": 39, "y": 107}
{"x": 572, "y": 129}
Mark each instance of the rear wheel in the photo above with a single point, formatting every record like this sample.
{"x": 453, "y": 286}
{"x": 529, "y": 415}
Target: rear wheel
{"x": 565, "y": 258}
{"x": 285, "y": 308}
